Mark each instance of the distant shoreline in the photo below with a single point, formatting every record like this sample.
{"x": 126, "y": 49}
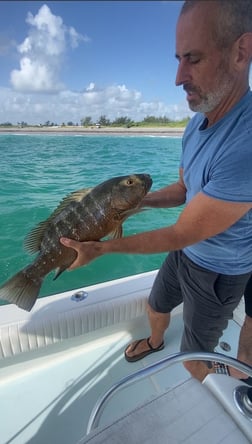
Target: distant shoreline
{"x": 118, "y": 131}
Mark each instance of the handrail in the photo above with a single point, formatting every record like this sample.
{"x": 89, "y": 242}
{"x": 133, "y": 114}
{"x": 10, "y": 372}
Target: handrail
{"x": 153, "y": 368}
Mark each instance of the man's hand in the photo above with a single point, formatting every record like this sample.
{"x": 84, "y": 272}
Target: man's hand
{"x": 86, "y": 251}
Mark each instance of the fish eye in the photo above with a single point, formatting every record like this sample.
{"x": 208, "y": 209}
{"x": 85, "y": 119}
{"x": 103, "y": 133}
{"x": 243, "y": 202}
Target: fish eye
{"x": 129, "y": 182}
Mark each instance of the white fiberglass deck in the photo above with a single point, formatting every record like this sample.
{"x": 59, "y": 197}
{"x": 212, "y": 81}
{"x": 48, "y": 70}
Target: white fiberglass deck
{"x": 46, "y": 396}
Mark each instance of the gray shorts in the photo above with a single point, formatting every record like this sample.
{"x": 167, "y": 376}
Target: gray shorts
{"x": 209, "y": 299}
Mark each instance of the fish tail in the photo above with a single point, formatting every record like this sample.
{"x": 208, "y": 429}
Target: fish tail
{"x": 21, "y": 290}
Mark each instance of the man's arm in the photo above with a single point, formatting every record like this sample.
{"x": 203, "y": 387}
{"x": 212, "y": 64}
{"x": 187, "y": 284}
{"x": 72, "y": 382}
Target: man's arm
{"x": 202, "y": 218}
{"x": 170, "y": 196}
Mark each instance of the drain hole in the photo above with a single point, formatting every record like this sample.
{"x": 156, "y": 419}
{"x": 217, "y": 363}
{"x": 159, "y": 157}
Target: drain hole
{"x": 225, "y": 346}
{"x": 79, "y": 296}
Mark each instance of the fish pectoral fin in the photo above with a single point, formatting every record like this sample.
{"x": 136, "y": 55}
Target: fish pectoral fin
{"x": 117, "y": 233}
{"x": 129, "y": 213}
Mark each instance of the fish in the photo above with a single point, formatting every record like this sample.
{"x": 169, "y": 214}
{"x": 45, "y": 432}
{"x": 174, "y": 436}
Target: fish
{"x": 83, "y": 215}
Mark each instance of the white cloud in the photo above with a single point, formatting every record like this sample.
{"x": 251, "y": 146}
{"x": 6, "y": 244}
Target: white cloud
{"x": 63, "y": 106}
{"x": 35, "y": 75}
{"x": 91, "y": 86}
{"x": 42, "y": 51}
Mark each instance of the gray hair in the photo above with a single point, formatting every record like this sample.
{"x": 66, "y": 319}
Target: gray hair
{"x": 234, "y": 18}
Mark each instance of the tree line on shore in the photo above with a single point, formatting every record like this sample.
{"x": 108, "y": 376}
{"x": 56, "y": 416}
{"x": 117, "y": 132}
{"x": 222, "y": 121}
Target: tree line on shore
{"x": 103, "y": 121}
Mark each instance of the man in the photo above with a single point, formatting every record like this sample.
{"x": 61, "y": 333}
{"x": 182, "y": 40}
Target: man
{"x": 210, "y": 257}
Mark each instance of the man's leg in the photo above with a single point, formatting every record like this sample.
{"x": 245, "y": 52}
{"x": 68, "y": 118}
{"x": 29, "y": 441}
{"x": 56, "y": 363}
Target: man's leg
{"x": 245, "y": 340}
{"x": 244, "y": 348}
{"x": 209, "y": 301}
{"x": 164, "y": 296}
{"x": 159, "y": 322}
{"x": 198, "y": 369}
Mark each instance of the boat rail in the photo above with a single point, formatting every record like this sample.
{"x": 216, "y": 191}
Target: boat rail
{"x": 175, "y": 358}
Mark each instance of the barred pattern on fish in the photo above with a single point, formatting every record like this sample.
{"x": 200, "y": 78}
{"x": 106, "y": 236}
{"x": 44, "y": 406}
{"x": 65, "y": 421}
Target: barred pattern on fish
{"x": 86, "y": 214}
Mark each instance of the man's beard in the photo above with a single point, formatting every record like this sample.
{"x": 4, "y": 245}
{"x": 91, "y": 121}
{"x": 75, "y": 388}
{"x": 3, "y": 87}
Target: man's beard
{"x": 209, "y": 101}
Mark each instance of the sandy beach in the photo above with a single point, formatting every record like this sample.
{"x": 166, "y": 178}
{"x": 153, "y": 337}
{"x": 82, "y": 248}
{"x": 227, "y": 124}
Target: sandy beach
{"x": 117, "y": 131}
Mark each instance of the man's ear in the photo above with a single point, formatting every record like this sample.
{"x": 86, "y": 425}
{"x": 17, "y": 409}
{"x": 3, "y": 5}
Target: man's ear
{"x": 243, "y": 51}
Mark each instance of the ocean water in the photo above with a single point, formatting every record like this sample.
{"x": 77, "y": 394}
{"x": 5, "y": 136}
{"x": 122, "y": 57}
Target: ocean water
{"x": 37, "y": 171}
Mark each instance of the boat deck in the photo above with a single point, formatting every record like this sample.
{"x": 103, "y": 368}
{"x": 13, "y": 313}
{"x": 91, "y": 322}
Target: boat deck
{"x": 46, "y": 395}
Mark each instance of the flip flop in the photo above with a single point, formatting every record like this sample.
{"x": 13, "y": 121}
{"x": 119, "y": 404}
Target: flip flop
{"x": 144, "y": 353}
{"x": 221, "y": 369}
{"x": 224, "y": 370}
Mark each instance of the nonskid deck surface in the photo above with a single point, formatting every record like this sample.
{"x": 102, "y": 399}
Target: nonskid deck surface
{"x": 46, "y": 396}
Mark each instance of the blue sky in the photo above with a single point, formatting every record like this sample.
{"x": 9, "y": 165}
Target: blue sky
{"x": 65, "y": 60}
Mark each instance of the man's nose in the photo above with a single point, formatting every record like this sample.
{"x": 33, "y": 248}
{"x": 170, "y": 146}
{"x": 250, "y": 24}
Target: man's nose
{"x": 183, "y": 73}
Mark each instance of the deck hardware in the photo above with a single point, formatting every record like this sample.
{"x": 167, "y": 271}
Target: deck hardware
{"x": 225, "y": 346}
{"x": 243, "y": 400}
{"x": 79, "y": 296}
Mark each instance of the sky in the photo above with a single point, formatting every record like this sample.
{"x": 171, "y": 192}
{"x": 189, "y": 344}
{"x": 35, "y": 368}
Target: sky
{"x": 62, "y": 61}
{"x": 66, "y": 60}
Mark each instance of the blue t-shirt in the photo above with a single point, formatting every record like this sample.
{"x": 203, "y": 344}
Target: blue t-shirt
{"x": 217, "y": 161}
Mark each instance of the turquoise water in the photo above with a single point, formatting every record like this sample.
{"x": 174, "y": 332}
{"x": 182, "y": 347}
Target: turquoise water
{"x": 37, "y": 171}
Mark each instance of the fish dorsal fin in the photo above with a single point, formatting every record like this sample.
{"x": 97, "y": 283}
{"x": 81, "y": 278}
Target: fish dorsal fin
{"x": 33, "y": 240}
{"x": 75, "y": 196}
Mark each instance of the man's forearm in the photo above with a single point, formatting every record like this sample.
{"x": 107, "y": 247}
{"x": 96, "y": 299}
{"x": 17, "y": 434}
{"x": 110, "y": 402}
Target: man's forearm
{"x": 202, "y": 218}
{"x": 150, "y": 242}
{"x": 171, "y": 196}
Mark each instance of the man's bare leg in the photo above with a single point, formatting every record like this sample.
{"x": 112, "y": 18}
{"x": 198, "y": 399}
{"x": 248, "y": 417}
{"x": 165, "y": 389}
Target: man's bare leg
{"x": 244, "y": 348}
{"x": 198, "y": 369}
{"x": 159, "y": 322}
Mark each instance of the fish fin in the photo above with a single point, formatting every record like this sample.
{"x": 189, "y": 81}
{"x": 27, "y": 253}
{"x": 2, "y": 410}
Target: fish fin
{"x": 117, "y": 233}
{"x": 78, "y": 195}
{"x": 21, "y": 290}
{"x": 129, "y": 213}
{"x": 33, "y": 240}
{"x": 58, "y": 272}
{"x": 75, "y": 196}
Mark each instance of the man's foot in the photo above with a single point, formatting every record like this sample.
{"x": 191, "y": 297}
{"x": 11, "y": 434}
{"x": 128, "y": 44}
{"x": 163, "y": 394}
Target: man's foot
{"x": 247, "y": 380}
{"x": 237, "y": 373}
{"x": 145, "y": 350}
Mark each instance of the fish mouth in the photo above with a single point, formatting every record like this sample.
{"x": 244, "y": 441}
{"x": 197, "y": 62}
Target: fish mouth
{"x": 147, "y": 182}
